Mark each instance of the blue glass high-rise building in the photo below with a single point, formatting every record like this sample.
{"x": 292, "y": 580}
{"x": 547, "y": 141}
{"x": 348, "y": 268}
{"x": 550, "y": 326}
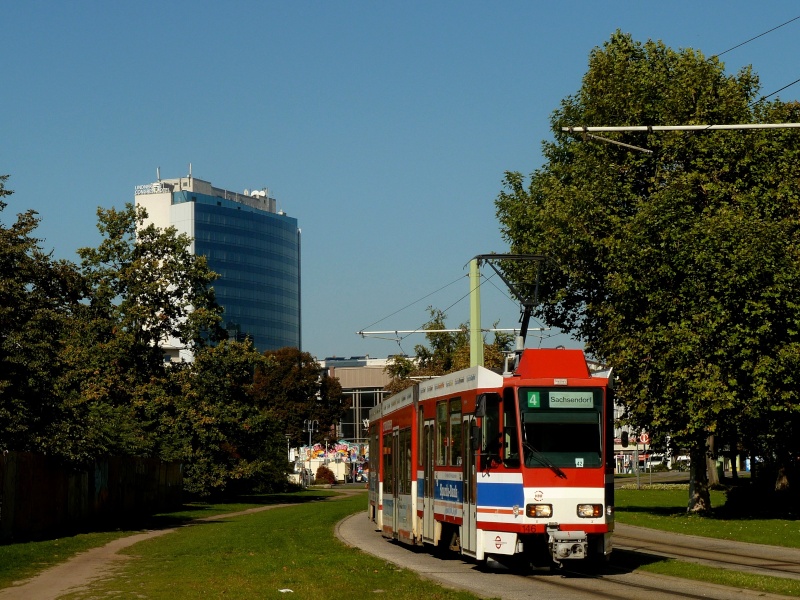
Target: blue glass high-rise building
{"x": 253, "y": 247}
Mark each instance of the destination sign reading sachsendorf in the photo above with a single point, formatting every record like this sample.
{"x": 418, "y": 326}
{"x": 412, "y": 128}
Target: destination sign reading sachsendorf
{"x": 571, "y": 399}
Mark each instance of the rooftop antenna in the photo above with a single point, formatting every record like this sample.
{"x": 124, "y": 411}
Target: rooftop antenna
{"x": 158, "y": 173}
{"x": 190, "y": 170}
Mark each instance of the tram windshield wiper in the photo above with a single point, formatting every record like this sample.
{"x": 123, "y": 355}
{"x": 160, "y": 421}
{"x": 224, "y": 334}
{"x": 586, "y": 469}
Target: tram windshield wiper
{"x": 542, "y": 459}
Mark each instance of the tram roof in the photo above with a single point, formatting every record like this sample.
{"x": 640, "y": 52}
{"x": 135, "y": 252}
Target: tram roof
{"x": 467, "y": 379}
{"x": 559, "y": 363}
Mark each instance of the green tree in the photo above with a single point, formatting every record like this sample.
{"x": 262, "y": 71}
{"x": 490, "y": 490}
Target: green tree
{"x": 232, "y": 443}
{"x": 37, "y": 294}
{"x": 292, "y": 388}
{"x": 439, "y": 355}
{"x": 678, "y": 268}
{"x": 147, "y": 281}
{"x": 401, "y": 369}
{"x": 445, "y": 352}
{"x": 142, "y": 288}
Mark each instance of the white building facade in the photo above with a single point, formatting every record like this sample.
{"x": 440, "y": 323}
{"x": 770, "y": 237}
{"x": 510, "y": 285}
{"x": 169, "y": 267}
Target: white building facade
{"x": 253, "y": 247}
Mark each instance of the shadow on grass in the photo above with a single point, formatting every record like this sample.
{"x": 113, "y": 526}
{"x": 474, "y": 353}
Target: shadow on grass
{"x": 722, "y": 514}
{"x": 745, "y": 499}
{"x": 200, "y": 509}
{"x": 622, "y": 561}
{"x": 628, "y": 561}
{"x": 661, "y": 511}
{"x": 178, "y": 516}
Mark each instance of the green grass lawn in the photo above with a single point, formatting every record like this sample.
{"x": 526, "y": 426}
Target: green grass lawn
{"x": 294, "y": 548}
{"x": 23, "y": 560}
{"x": 258, "y": 555}
{"x": 664, "y": 507}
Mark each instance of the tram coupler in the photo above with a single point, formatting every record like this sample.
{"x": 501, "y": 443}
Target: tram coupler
{"x": 566, "y": 544}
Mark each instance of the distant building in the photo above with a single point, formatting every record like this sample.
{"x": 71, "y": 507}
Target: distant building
{"x": 362, "y": 379}
{"x": 253, "y": 247}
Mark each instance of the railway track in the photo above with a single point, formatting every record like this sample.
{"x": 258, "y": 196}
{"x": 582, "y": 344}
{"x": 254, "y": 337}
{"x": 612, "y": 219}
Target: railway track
{"x": 635, "y": 546}
{"x": 721, "y": 554}
{"x": 616, "y": 583}
{"x": 618, "y": 580}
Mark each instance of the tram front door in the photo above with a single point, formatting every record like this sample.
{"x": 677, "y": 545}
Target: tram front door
{"x": 469, "y": 532}
{"x": 428, "y": 522}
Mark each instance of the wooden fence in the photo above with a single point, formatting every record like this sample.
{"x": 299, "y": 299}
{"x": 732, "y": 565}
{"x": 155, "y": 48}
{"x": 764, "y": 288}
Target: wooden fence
{"x": 39, "y": 497}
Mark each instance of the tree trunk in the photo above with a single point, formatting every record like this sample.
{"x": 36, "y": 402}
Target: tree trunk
{"x": 711, "y": 463}
{"x": 699, "y": 495}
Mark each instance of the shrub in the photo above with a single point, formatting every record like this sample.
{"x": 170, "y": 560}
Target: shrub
{"x": 325, "y": 476}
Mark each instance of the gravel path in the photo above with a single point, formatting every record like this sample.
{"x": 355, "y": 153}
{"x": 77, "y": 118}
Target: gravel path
{"x": 99, "y": 563}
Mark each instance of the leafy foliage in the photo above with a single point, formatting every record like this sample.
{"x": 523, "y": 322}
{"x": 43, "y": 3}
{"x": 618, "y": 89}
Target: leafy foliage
{"x": 146, "y": 281}
{"x": 139, "y": 287}
{"x": 444, "y": 353}
{"x": 294, "y": 389}
{"x": 678, "y": 268}
{"x": 230, "y": 440}
{"x": 82, "y": 374}
{"x": 325, "y": 476}
{"x": 37, "y": 295}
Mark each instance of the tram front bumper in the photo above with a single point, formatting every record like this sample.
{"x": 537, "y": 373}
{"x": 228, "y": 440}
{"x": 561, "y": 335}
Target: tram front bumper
{"x": 567, "y": 544}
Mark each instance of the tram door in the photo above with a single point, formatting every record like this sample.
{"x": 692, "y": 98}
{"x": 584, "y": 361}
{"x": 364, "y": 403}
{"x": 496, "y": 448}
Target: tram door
{"x": 387, "y": 521}
{"x": 428, "y": 522}
{"x": 397, "y": 465}
{"x": 469, "y": 532}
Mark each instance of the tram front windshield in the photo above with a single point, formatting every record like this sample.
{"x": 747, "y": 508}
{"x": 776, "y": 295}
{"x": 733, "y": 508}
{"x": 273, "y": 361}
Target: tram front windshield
{"x": 561, "y": 427}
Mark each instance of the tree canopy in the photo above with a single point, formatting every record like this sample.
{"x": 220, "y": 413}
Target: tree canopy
{"x": 37, "y": 295}
{"x": 678, "y": 268}
{"x": 445, "y": 352}
{"x": 294, "y": 390}
{"x": 83, "y": 375}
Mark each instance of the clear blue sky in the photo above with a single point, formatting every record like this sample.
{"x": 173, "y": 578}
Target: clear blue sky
{"x": 383, "y": 127}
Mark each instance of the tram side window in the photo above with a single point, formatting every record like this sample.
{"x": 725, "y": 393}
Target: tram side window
{"x": 455, "y": 432}
{"x": 441, "y": 434}
{"x": 492, "y": 438}
{"x": 510, "y": 437}
{"x": 420, "y": 438}
{"x": 404, "y": 485}
{"x": 373, "y": 449}
{"x": 388, "y": 472}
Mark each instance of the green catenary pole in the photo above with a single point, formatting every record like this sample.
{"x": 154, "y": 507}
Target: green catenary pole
{"x": 475, "y": 334}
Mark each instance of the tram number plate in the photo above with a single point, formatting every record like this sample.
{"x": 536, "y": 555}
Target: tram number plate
{"x": 529, "y": 529}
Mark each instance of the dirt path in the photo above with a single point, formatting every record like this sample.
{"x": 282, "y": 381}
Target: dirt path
{"x": 99, "y": 563}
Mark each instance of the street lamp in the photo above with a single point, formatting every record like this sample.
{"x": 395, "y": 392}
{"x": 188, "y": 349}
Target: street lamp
{"x": 310, "y": 425}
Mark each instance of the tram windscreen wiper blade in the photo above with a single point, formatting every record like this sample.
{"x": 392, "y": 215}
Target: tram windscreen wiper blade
{"x": 543, "y": 460}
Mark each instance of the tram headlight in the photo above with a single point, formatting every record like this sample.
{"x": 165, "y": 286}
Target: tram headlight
{"x": 539, "y": 511}
{"x": 590, "y": 511}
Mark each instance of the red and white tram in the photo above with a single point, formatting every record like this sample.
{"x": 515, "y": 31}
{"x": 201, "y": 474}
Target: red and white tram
{"x": 499, "y": 466}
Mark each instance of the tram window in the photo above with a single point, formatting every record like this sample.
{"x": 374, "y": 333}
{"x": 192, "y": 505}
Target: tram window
{"x": 562, "y": 427}
{"x": 420, "y": 437}
{"x": 455, "y": 432}
{"x": 405, "y": 446}
{"x": 441, "y": 433}
{"x": 510, "y": 437}
{"x": 491, "y": 426}
{"x": 488, "y": 410}
{"x": 564, "y": 442}
{"x": 373, "y": 449}
{"x": 388, "y": 473}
